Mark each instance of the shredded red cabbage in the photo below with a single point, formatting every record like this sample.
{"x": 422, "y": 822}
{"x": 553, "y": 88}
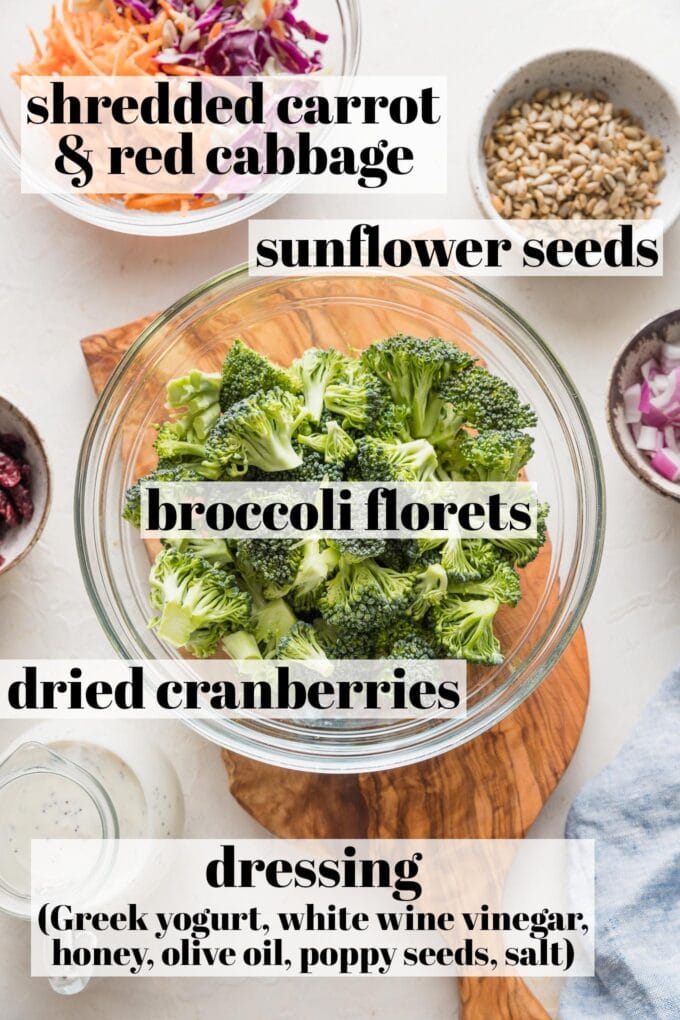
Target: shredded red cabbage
{"x": 142, "y": 10}
{"x": 209, "y": 17}
{"x": 228, "y": 44}
{"x": 233, "y": 53}
{"x": 302, "y": 26}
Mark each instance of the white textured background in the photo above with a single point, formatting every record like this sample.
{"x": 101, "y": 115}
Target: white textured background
{"x": 62, "y": 279}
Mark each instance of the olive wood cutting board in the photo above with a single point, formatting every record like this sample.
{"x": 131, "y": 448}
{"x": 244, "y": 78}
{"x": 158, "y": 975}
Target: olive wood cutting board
{"x": 491, "y": 787}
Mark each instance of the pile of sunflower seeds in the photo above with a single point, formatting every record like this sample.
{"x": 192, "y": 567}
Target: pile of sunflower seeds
{"x": 567, "y": 155}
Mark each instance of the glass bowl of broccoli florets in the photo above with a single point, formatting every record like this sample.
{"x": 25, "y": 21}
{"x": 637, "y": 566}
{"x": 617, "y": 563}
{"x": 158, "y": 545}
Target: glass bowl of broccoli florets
{"x": 356, "y": 379}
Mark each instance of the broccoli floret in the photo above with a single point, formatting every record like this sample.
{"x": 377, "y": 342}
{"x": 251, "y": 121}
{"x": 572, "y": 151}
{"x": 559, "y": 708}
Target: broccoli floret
{"x": 275, "y": 562}
{"x": 393, "y": 461}
{"x": 464, "y": 628}
{"x": 302, "y": 642}
{"x": 246, "y": 373}
{"x": 312, "y": 469}
{"x": 204, "y": 643}
{"x": 191, "y": 594}
{"x": 484, "y": 401}
{"x": 455, "y": 560}
{"x": 405, "y": 640}
{"x": 414, "y": 369}
{"x": 364, "y": 595}
{"x": 392, "y": 423}
{"x": 502, "y": 585}
{"x": 336, "y": 445}
{"x": 199, "y": 393}
{"x": 313, "y": 373}
{"x": 270, "y": 622}
{"x": 214, "y": 550}
{"x": 429, "y": 589}
{"x": 356, "y": 549}
{"x": 482, "y": 555}
{"x": 317, "y": 562}
{"x": 402, "y": 554}
{"x": 172, "y": 444}
{"x": 132, "y": 508}
{"x": 521, "y": 551}
{"x": 359, "y": 398}
{"x": 261, "y": 429}
{"x": 494, "y": 456}
{"x": 345, "y": 643}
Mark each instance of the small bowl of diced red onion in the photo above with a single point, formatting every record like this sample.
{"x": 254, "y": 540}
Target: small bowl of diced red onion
{"x": 643, "y": 407}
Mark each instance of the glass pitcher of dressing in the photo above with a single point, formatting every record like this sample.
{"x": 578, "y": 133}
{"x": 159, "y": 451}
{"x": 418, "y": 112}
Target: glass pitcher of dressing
{"x": 64, "y": 781}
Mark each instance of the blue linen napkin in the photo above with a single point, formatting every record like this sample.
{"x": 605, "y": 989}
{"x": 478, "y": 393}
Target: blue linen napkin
{"x": 632, "y": 811}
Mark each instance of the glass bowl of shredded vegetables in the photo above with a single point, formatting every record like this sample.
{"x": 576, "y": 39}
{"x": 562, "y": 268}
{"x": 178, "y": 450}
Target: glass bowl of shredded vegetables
{"x": 237, "y": 38}
{"x": 284, "y": 319}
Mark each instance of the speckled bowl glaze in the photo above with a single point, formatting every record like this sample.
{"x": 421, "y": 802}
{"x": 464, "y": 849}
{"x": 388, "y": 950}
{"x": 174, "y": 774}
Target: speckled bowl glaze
{"x": 626, "y": 84}
{"x": 626, "y": 371}
{"x": 16, "y": 543}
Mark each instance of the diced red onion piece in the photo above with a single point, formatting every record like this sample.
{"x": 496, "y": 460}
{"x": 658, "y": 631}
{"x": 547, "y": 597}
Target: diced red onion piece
{"x": 650, "y": 415}
{"x": 670, "y": 356}
{"x": 631, "y": 404}
{"x": 650, "y": 369}
{"x": 668, "y": 400}
{"x": 647, "y": 438}
{"x": 636, "y": 428}
{"x": 671, "y": 440}
{"x": 657, "y": 384}
{"x": 667, "y": 463}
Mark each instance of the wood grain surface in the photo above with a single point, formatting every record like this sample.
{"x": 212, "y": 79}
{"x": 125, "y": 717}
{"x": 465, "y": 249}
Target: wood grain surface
{"x": 491, "y": 787}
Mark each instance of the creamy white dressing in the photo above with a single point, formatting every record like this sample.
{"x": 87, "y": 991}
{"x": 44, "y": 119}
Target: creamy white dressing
{"x": 118, "y": 780}
{"x": 41, "y": 803}
{"x": 39, "y": 806}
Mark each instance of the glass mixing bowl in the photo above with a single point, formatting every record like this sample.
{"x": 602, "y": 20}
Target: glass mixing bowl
{"x": 282, "y": 317}
{"x": 341, "y": 19}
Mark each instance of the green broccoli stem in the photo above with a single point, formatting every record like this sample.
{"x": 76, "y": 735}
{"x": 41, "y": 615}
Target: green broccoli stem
{"x": 241, "y": 645}
{"x": 204, "y": 421}
{"x": 425, "y": 410}
{"x": 176, "y": 624}
{"x": 277, "y": 454}
{"x": 313, "y": 390}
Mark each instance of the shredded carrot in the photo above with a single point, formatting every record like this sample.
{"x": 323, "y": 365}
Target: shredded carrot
{"x": 180, "y": 69}
{"x": 102, "y": 40}
{"x": 169, "y": 203}
{"x": 113, "y": 13}
{"x": 38, "y": 51}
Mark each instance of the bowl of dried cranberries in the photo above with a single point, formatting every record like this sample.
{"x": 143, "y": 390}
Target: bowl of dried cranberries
{"x": 24, "y": 486}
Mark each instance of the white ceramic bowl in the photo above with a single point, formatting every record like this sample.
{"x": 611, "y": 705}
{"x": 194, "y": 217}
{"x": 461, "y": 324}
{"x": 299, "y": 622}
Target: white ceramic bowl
{"x": 16, "y": 543}
{"x": 626, "y": 371}
{"x": 626, "y": 84}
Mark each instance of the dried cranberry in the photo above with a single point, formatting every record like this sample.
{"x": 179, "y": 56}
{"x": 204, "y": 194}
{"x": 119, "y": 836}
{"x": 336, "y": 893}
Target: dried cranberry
{"x": 26, "y": 472}
{"x": 10, "y": 472}
{"x": 22, "y": 501}
{"x": 12, "y": 444}
{"x": 7, "y": 511}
